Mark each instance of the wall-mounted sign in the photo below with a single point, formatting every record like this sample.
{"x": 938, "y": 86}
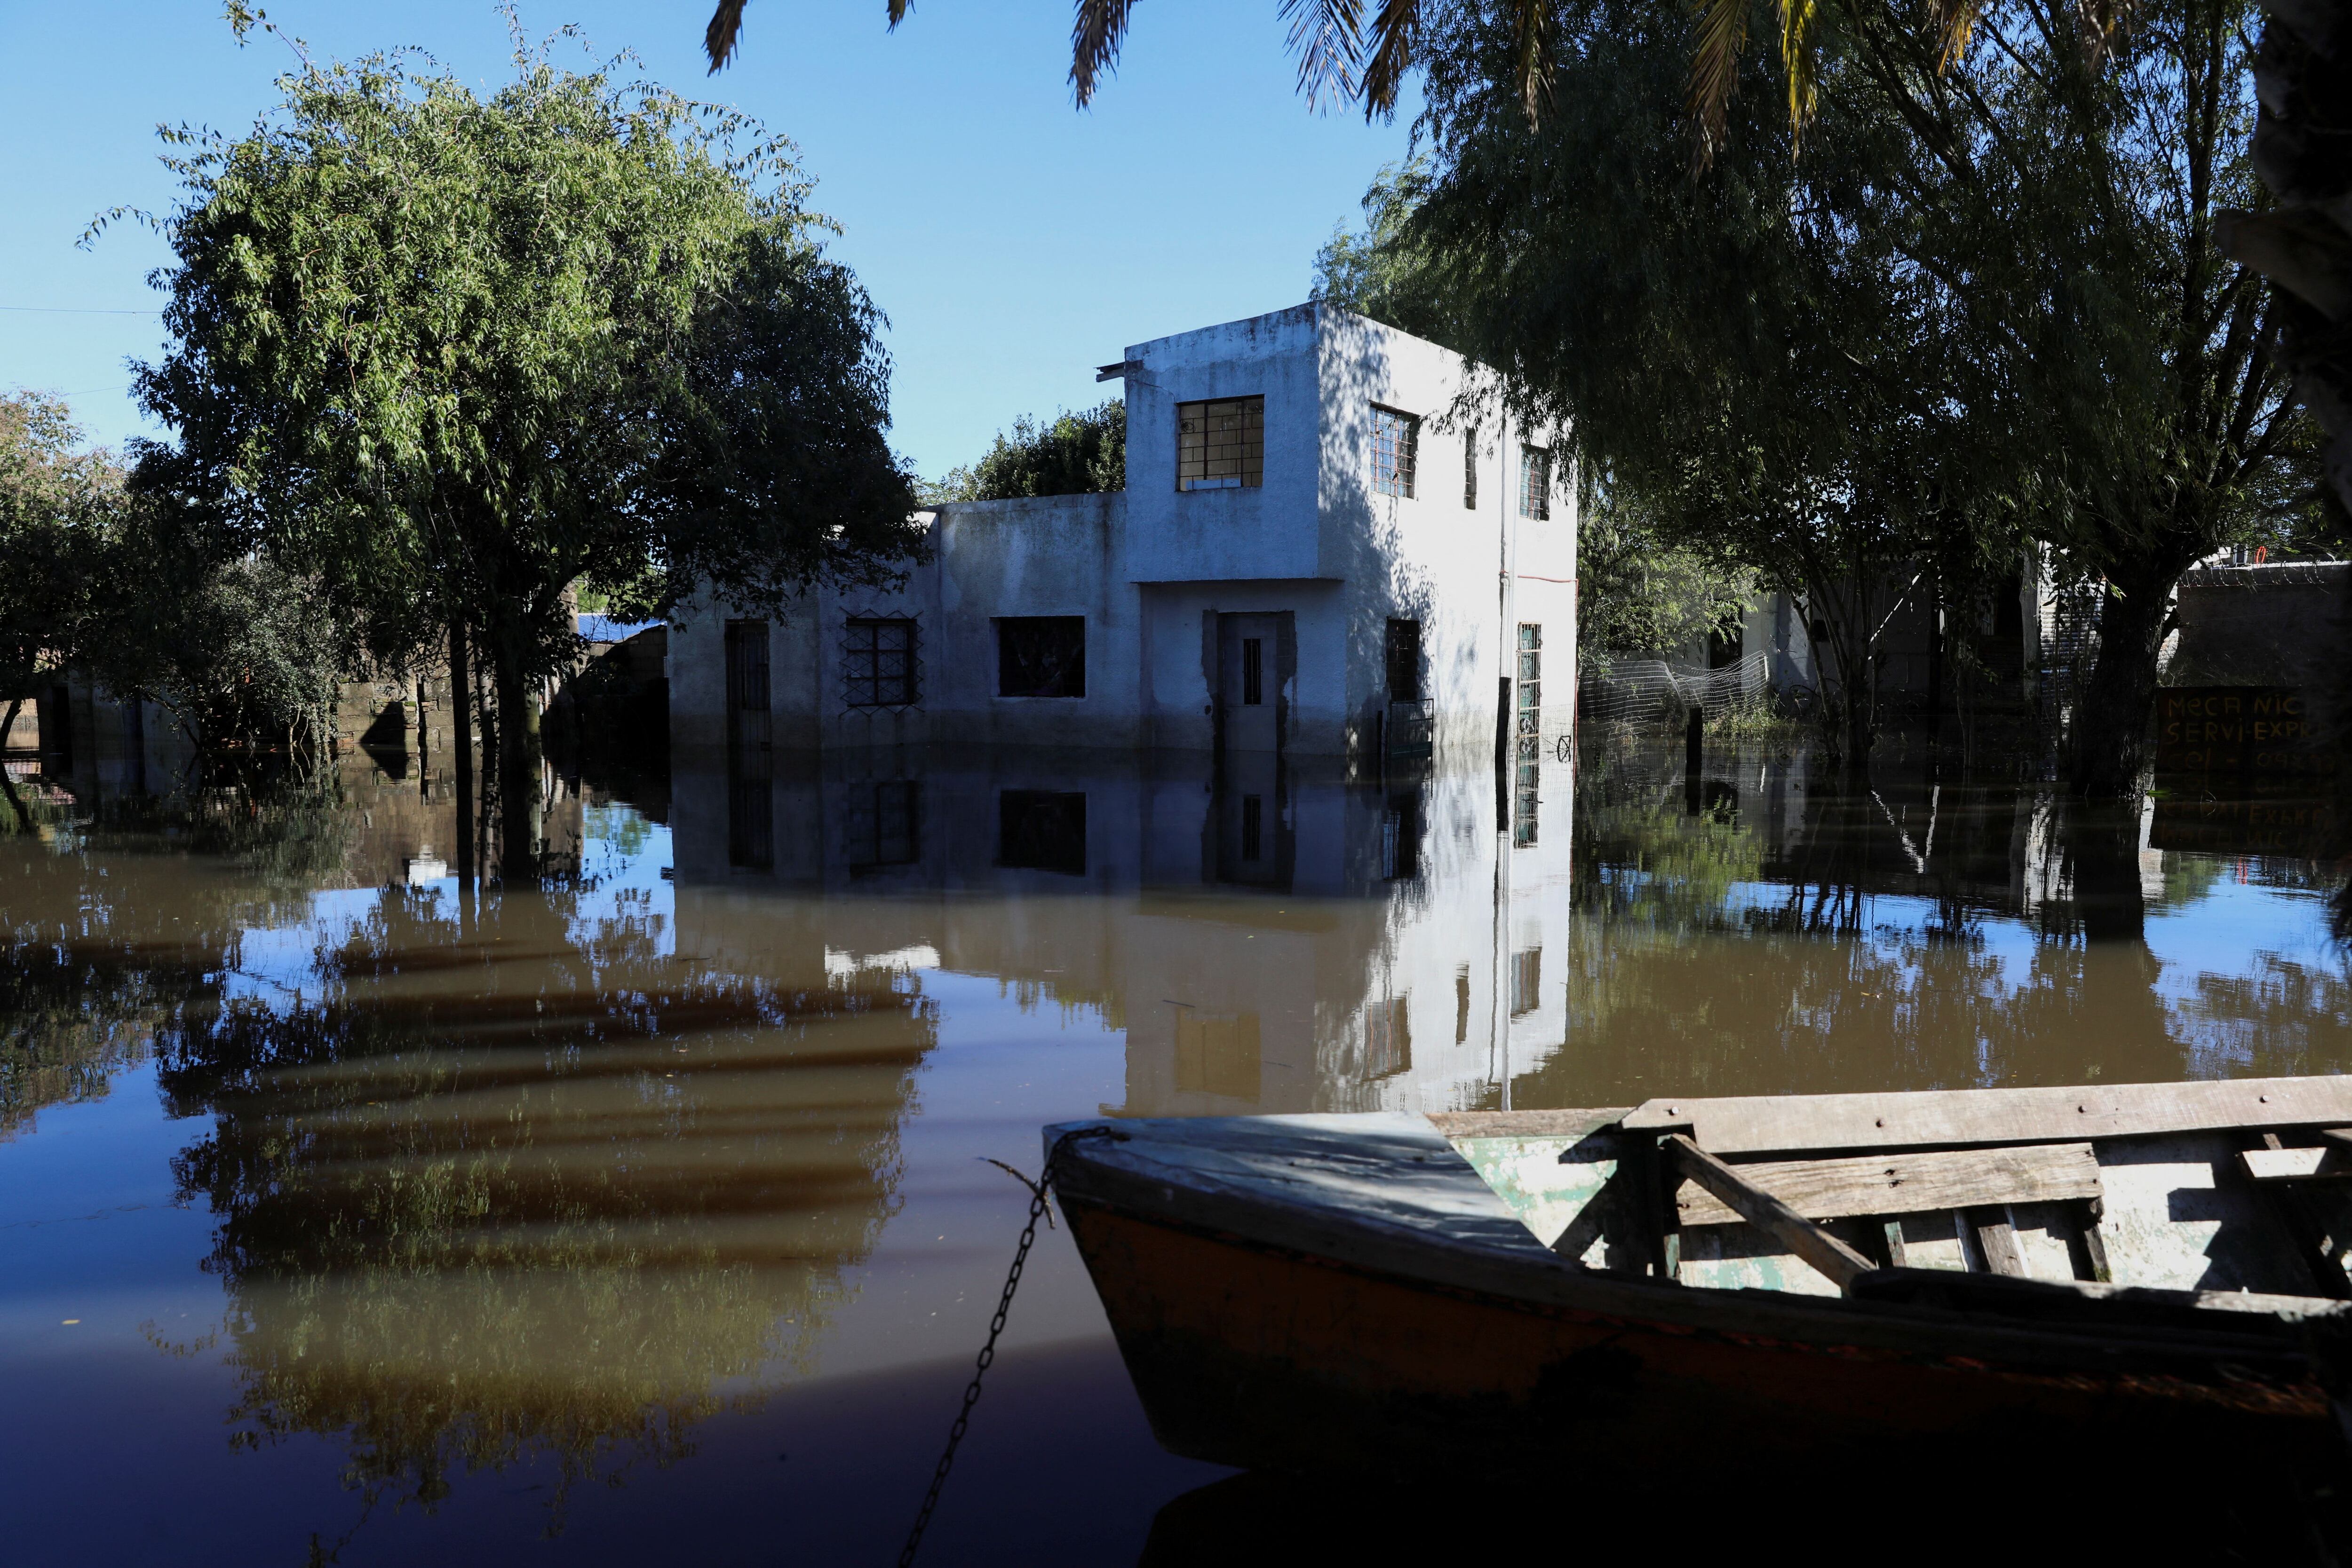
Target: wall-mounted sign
{"x": 2235, "y": 729}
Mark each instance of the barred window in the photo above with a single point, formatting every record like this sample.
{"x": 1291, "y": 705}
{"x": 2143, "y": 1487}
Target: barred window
{"x": 1535, "y": 483}
{"x": 1528, "y": 739}
{"x": 1470, "y": 469}
{"x": 1396, "y": 444}
{"x": 1220, "y": 446}
{"x": 878, "y": 665}
{"x": 886, "y": 823}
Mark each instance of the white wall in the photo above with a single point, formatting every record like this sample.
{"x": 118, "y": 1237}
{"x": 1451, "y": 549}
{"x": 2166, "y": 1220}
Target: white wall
{"x": 1153, "y": 569}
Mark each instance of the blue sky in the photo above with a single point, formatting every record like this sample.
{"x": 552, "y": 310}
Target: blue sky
{"x": 1015, "y": 242}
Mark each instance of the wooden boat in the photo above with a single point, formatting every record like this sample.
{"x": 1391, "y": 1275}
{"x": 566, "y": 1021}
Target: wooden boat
{"x": 2151, "y": 1262}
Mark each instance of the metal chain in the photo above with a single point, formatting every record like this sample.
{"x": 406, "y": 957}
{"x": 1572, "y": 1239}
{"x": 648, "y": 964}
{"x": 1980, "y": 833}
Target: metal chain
{"x": 1037, "y": 1190}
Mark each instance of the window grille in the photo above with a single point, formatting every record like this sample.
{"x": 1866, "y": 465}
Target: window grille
{"x": 1470, "y": 469}
{"x": 1527, "y": 981}
{"x": 879, "y": 667}
{"x": 1388, "y": 1037}
{"x": 1535, "y": 483}
{"x": 1527, "y": 737}
{"x": 747, "y": 706}
{"x": 886, "y": 823}
{"x": 1220, "y": 446}
{"x": 1396, "y": 445}
{"x": 1041, "y": 656}
{"x": 1252, "y": 671}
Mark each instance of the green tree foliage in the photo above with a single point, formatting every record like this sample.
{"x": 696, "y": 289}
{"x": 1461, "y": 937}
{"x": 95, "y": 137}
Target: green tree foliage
{"x": 60, "y": 509}
{"x": 450, "y": 355}
{"x": 1075, "y": 454}
{"x": 1984, "y": 302}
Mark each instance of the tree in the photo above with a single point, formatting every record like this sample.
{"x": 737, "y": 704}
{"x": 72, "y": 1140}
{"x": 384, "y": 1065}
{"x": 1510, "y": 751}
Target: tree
{"x": 451, "y": 356}
{"x": 59, "y": 509}
{"x": 1984, "y": 301}
{"x": 1742, "y": 375}
{"x": 1077, "y": 454}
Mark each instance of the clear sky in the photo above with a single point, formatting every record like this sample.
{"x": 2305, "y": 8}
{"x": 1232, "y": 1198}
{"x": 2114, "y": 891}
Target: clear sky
{"x": 1015, "y": 242}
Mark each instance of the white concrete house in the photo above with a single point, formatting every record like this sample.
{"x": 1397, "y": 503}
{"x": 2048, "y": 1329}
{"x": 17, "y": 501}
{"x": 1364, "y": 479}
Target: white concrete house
{"x": 1311, "y": 558}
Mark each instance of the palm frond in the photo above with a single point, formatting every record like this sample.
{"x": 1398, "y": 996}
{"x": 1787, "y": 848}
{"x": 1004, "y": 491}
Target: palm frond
{"x": 1094, "y": 39}
{"x": 898, "y": 9}
{"x": 718, "y": 38}
{"x": 1715, "y": 71}
{"x": 1956, "y": 20}
{"x": 1800, "y": 59}
{"x": 1531, "y": 54}
{"x": 1327, "y": 38}
{"x": 1395, "y": 27}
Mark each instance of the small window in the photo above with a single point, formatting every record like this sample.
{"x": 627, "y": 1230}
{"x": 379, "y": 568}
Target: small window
{"x": 1252, "y": 671}
{"x": 1041, "y": 656}
{"x": 1528, "y": 739}
{"x": 1535, "y": 483}
{"x": 1042, "y": 830}
{"x": 1220, "y": 446}
{"x": 878, "y": 663}
{"x": 1388, "y": 1039}
{"x": 1400, "y": 838}
{"x": 1403, "y": 658}
{"x": 1527, "y": 981}
{"x": 1396, "y": 445}
{"x": 1470, "y": 469}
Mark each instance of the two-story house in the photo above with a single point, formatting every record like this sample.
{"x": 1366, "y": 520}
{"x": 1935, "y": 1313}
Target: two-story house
{"x": 1314, "y": 557}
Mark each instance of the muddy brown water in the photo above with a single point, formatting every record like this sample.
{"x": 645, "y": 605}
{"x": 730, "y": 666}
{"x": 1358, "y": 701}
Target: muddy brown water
{"x": 346, "y": 1218}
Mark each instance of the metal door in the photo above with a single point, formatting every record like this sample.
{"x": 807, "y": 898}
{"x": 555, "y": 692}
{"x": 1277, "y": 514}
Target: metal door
{"x": 1249, "y": 685}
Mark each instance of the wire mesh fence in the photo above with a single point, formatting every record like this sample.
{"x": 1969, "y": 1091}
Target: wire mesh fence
{"x": 1635, "y": 691}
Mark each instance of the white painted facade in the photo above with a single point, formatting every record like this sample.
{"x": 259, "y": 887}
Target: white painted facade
{"x": 1164, "y": 577}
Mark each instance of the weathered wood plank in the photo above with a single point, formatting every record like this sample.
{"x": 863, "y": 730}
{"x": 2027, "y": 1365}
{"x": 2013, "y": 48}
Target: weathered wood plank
{"x": 1840, "y": 1263}
{"x": 1909, "y": 1183}
{"x": 1997, "y": 1241}
{"x": 1913, "y": 1118}
{"x": 1568, "y": 1125}
{"x": 2297, "y": 1164}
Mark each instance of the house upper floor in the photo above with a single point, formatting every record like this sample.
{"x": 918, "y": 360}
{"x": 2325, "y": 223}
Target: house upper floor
{"x": 1314, "y": 443}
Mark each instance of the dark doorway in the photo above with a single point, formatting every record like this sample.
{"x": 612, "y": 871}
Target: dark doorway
{"x": 1249, "y": 681}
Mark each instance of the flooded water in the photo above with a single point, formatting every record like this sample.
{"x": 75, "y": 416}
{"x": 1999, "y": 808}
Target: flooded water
{"x": 648, "y": 1218}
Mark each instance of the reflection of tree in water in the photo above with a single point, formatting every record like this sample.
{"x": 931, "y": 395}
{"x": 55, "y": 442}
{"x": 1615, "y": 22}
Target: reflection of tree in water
{"x": 114, "y": 924}
{"x": 526, "y": 1187}
{"x": 1847, "y": 961}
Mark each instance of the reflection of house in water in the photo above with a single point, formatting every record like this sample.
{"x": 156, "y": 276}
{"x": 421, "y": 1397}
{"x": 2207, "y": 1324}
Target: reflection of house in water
{"x": 1305, "y": 560}
{"x": 1271, "y": 936}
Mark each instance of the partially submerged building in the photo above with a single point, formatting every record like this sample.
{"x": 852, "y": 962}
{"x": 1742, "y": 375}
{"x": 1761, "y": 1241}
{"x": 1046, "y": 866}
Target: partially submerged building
{"x": 1311, "y": 556}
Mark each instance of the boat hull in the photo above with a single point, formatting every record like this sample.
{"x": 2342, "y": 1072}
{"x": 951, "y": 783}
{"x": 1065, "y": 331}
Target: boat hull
{"x": 1260, "y": 1355}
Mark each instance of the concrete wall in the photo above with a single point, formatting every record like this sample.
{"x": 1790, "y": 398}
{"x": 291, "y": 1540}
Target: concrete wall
{"x": 2277, "y": 625}
{"x": 1151, "y": 570}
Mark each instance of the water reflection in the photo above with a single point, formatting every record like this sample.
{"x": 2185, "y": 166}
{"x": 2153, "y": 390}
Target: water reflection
{"x": 566, "y": 1174}
{"x": 1271, "y": 935}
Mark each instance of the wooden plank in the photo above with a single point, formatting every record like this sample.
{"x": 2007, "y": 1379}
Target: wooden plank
{"x": 1570, "y": 1125}
{"x": 1833, "y": 1258}
{"x": 1909, "y": 1183}
{"x": 1997, "y": 1241}
{"x": 1762, "y": 1124}
{"x": 2328, "y": 1163}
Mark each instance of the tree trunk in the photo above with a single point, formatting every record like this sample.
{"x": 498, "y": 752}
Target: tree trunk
{"x": 461, "y": 707}
{"x": 2108, "y": 750}
{"x": 517, "y": 766}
